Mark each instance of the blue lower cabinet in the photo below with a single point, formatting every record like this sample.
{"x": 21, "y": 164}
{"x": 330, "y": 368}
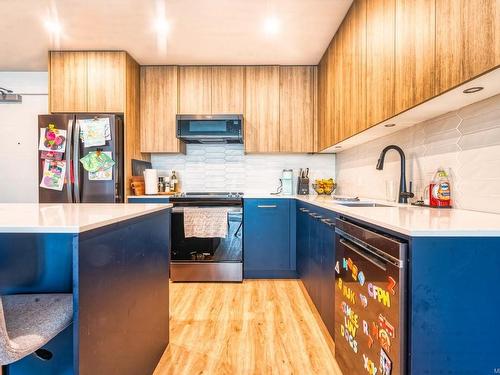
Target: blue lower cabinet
{"x": 269, "y": 238}
{"x": 315, "y": 238}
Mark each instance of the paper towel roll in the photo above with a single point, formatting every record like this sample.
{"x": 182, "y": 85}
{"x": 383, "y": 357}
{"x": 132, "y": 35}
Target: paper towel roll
{"x": 151, "y": 181}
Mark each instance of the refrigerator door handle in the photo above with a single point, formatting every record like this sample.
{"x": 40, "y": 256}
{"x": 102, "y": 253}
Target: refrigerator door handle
{"x": 69, "y": 187}
{"x": 76, "y": 158}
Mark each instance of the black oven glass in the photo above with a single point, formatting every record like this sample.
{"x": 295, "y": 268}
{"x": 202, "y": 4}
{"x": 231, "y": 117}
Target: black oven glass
{"x": 227, "y": 249}
{"x": 207, "y": 126}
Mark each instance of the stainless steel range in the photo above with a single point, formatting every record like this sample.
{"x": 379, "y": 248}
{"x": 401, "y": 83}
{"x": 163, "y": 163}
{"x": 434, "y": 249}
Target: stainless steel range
{"x": 207, "y": 258}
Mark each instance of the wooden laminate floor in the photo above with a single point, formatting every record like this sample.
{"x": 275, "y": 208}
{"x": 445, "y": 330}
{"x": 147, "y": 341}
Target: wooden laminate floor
{"x": 257, "y": 327}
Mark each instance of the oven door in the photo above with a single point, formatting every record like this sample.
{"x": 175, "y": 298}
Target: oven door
{"x": 207, "y": 259}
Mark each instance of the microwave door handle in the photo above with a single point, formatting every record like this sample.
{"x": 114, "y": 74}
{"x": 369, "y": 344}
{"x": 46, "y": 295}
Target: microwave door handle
{"x": 365, "y": 255}
{"x": 69, "y": 184}
{"x": 76, "y": 158}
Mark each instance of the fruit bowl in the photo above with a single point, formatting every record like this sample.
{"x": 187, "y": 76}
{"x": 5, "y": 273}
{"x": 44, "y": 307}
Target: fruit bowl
{"x": 324, "y": 187}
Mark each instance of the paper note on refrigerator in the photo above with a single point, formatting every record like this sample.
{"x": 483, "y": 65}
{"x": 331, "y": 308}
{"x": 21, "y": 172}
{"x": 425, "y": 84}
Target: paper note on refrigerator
{"x": 53, "y": 174}
{"x": 95, "y": 132}
{"x": 52, "y": 139}
{"x": 102, "y": 174}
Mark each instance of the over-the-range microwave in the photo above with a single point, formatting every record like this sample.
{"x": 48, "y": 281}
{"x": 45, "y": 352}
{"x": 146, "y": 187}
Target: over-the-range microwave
{"x": 210, "y": 129}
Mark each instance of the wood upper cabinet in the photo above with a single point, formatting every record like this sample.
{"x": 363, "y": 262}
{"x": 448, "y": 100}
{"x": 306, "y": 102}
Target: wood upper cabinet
{"x": 353, "y": 93}
{"x": 380, "y": 29}
{"x": 228, "y": 87}
{"x": 467, "y": 40}
{"x": 106, "y": 81}
{"x": 296, "y": 109}
{"x": 158, "y": 109}
{"x": 262, "y": 109}
{"x": 88, "y": 81}
{"x": 195, "y": 90}
{"x": 415, "y": 53}
{"x": 68, "y": 81}
{"x": 322, "y": 124}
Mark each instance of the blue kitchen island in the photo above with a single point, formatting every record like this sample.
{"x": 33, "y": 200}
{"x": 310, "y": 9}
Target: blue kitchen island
{"x": 114, "y": 259}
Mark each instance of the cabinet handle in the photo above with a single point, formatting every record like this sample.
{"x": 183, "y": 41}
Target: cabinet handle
{"x": 315, "y": 216}
{"x": 328, "y": 222}
{"x": 302, "y": 209}
{"x": 267, "y": 206}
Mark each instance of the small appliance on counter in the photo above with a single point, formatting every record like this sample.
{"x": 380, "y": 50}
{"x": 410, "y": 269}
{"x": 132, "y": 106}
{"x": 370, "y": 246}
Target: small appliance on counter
{"x": 303, "y": 182}
{"x": 287, "y": 182}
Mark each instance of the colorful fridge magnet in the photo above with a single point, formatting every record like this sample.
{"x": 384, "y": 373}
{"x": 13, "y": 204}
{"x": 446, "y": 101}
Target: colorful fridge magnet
{"x": 391, "y": 284}
{"x": 51, "y": 155}
{"x": 52, "y": 139}
{"x": 385, "y": 366}
{"x": 53, "y": 174}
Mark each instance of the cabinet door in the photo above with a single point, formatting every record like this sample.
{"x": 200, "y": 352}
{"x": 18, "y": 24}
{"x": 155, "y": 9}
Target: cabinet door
{"x": 327, "y": 236}
{"x": 415, "y": 52}
{"x": 106, "y": 82}
{"x": 262, "y": 133}
{"x": 158, "y": 109}
{"x": 303, "y": 236}
{"x": 335, "y": 89}
{"x": 467, "y": 40}
{"x": 228, "y": 89}
{"x": 68, "y": 81}
{"x": 380, "y": 28}
{"x": 323, "y": 104}
{"x": 195, "y": 90}
{"x": 353, "y": 51}
{"x": 296, "y": 108}
{"x": 267, "y": 250}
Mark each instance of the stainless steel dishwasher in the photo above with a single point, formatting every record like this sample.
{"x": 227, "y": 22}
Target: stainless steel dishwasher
{"x": 370, "y": 300}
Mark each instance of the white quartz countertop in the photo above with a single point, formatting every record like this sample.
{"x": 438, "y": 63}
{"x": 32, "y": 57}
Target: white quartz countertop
{"x": 68, "y": 218}
{"x": 410, "y": 220}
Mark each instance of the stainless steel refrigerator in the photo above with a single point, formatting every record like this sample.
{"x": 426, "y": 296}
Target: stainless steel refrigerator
{"x": 81, "y": 186}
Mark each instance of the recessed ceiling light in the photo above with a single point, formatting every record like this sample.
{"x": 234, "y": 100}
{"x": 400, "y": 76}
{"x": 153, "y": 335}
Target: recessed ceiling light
{"x": 53, "y": 26}
{"x": 472, "y": 90}
{"x": 272, "y": 25}
{"x": 162, "y": 26}
{"x": 389, "y": 125}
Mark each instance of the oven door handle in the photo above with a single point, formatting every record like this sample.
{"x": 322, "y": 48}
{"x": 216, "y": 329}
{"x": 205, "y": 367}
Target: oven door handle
{"x": 229, "y": 209}
{"x": 364, "y": 254}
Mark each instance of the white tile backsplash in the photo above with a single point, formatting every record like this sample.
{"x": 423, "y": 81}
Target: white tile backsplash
{"x": 228, "y": 168}
{"x": 467, "y": 141}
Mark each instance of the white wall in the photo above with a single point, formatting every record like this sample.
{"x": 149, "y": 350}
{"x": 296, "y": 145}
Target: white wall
{"x": 18, "y": 126}
{"x": 227, "y": 168}
{"x": 466, "y": 140}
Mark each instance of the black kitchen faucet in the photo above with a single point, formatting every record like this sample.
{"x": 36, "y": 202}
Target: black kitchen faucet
{"x": 403, "y": 194}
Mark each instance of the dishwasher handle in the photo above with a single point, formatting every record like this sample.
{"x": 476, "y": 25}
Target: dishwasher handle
{"x": 369, "y": 257}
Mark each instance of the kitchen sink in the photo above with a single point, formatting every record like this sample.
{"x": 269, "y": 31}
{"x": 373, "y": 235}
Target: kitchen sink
{"x": 363, "y": 204}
